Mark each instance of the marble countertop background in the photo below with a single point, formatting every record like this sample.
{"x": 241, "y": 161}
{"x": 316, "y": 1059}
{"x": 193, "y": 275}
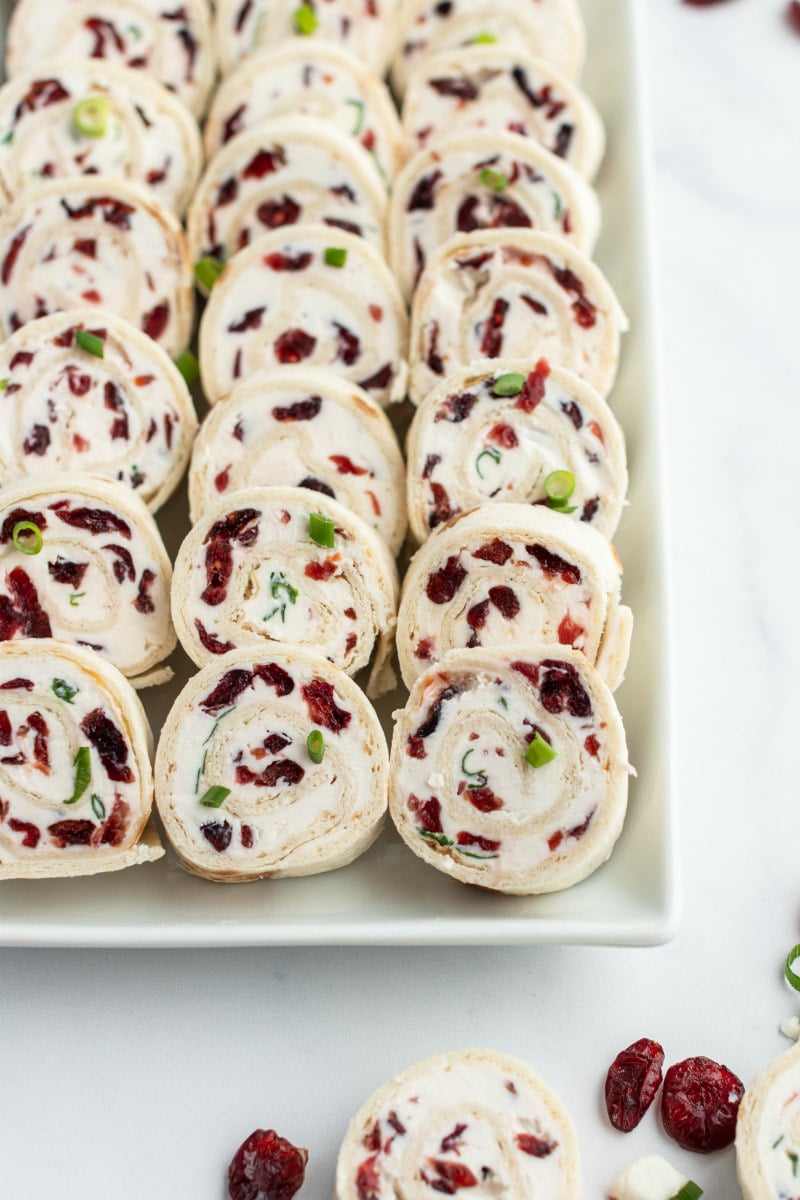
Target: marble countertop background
{"x": 132, "y": 1074}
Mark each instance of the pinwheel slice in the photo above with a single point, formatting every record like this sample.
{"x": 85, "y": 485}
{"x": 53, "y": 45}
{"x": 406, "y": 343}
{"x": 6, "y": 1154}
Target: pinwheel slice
{"x": 303, "y": 428}
{"x": 136, "y": 130}
{"x": 307, "y": 295}
{"x": 474, "y": 1120}
{"x": 76, "y": 787}
{"x": 318, "y": 79}
{"x": 82, "y": 560}
{"x": 493, "y": 294}
{"x": 367, "y": 28}
{"x": 170, "y": 42}
{"x": 515, "y": 575}
{"x": 271, "y": 764}
{"x": 288, "y": 171}
{"x": 551, "y": 29}
{"x": 509, "y": 769}
{"x": 287, "y": 565}
{"x": 120, "y": 410}
{"x": 496, "y": 430}
{"x": 485, "y": 180}
{"x": 500, "y": 87}
{"x": 97, "y": 242}
{"x": 768, "y": 1131}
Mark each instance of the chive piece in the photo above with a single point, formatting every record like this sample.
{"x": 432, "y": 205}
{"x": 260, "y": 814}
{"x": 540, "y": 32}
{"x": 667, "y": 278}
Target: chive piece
{"x": 689, "y": 1191}
{"x": 188, "y": 366}
{"x": 471, "y": 854}
{"x": 440, "y": 838}
{"x": 316, "y": 745}
{"x": 539, "y": 751}
{"x": 320, "y": 530}
{"x": 495, "y": 180}
{"x": 794, "y": 1159}
{"x": 98, "y": 808}
{"x": 279, "y": 583}
{"x": 558, "y": 207}
{"x": 214, "y": 797}
{"x": 7, "y": 138}
{"x": 480, "y": 776}
{"x": 305, "y": 20}
{"x": 74, "y": 597}
{"x": 558, "y": 487}
{"x": 777, "y": 1143}
{"x": 493, "y": 453}
{"x": 90, "y": 117}
{"x": 358, "y": 105}
{"x": 483, "y": 39}
{"x": 208, "y": 270}
{"x": 791, "y": 977}
{"x": 63, "y": 690}
{"x": 3, "y": 384}
{"x": 83, "y": 773}
{"x": 335, "y": 256}
{"x": 27, "y": 537}
{"x": 90, "y": 342}
{"x": 508, "y": 385}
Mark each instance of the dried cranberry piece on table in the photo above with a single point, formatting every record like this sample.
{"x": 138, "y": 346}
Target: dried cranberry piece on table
{"x": 632, "y": 1081}
{"x": 266, "y": 1167}
{"x": 700, "y": 1103}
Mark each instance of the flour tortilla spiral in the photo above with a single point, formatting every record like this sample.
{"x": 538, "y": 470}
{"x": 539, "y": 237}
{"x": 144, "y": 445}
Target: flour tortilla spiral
{"x": 520, "y": 294}
{"x": 471, "y": 1119}
{"x": 468, "y": 446}
{"x": 514, "y": 575}
{"x": 126, "y": 416}
{"x": 241, "y": 727}
{"x": 301, "y": 427}
{"x": 464, "y": 796}
{"x": 255, "y": 571}
{"x": 69, "y": 724}
{"x": 768, "y": 1130}
{"x": 101, "y": 578}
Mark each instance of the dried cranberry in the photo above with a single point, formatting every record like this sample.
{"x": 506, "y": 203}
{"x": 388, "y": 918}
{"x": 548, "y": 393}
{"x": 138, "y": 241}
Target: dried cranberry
{"x": 368, "y": 1183}
{"x": 316, "y": 485}
{"x": 276, "y": 213}
{"x": 301, "y": 410}
{"x": 504, "y": 435}
{"x": 263, "y": 163}
{"x": 155, "y": 322}
{"x": 424, "y": 193}
{"x": 379, "y": 379}
{"x": 211, "y": 641}
{"x": 123, "y": 565}
{"x": 569, "y": 631}
{"x": 226, "y": 692}
{"x": 504, "y": 213}
{"x": 632, "y": 1081}
{"x": 463, "y": 88}
{"x": 443, "y": 584}
{"x": 9, "y": 262}
{"x": 274, "y": 676}
{"x": 492, "y": 339}
{"x": 285, "y": 770}
{"x": 589, "y": 511}
{"x": 345, "y": 465}
{"x": 218, "y": 833}
{"x": 143, "y": 602}
{"x": 71, "y": 833}
{"x": 532, "y": 393}
{"x": 37, "y": 440}
{"x": 496, "y": 551}
{"x": 286, "y": 262}
{"x": 42, "y": 93}
{"x": 322, "y": 707}
{"x": 429, "y": 814}
{"x": 552, "y": 564}
{"x": 441, "y": 508}
{"x": 489, "y": 846}
{"x": 534, "y": 304}
{"x": 348, "y": 346}
{"x": 293, "y": 346}
{"x": 233, "y": 123}
{"x": 320, "y": 570}
{"x": 452, "y": 1177}
{"x": 505, "y": 601}
{"x": 431, "y": 722}
{"x": 484, "y": 799}
{"x": 699, "y": 1104}
{"x": 434, "y": 358}
{"x": 266, "y": 1167}
{"x": 27, "y": 612}
{"x": 793, "y": 14}
{"x": 109, "y": 744}
{"x": 561, "y": 689}
{"x": 456, "y": 408}
{"x": 95, "y": 520}
{"x": 31, "y": 832}
{"x": 250, "y": 320}
{"x": 537, "y": 1147}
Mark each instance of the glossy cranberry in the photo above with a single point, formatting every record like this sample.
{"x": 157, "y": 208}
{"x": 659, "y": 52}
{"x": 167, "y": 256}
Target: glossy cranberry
{"x": 700, "y": 1103}
{"x": 632, "y": 1081}
{"x": 266, "y": 1167}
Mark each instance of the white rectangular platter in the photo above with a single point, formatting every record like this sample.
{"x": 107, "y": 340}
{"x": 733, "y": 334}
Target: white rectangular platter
{"x": 389, "y": 896}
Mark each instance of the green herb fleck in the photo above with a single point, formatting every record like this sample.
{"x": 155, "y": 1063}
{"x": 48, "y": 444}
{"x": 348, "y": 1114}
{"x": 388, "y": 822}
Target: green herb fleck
{"x": 493, "y": 453}
{"x": 3, "y": 384}
{"x": 335, "y": 256}
{"x": 539, "y": 751}
{"x": 315, "y": 742}
{"x": 689, "y": 1191}
{"x": 74, "y": 597}
{"x": 483, "y": 39}
{"x": 208, "y": 270}
{"x": 479, "y": 776}
{"x": 358, "y": 105}
{"x": 471, "y": 854}
{"x": 98, "y": 808}
{"x": 63, "y": 690}
{"x": 439, "y": 838}
{"x": 8, "y": 138}
{"x": 214, "y": 797}
{"x": 27, "y": 537}
{"x": 279, "y": 585}
{"x": 794, "y": 1159}
{"x": 503, "y": 702}
{"x": 558, "y": 207}
{"x": 188, "y": 366}
{"x": 321, "y": 530}
{"x": 305, "y": 20}
{"x": 83, "y": 773}
{"x": 90, "y": 342}
{"x": 495, "y": 180}
{"x": 510, "y": 384}
{"x": 200, "y": 771}
{"x": 221, "y": 716}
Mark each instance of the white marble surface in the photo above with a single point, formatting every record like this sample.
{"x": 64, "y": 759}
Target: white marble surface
{"x": 132, "y": 1074}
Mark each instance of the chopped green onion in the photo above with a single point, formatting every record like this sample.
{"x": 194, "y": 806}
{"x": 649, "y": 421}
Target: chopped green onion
{"x": 74, "y": 598}
{"x": 316, "y": 745}
{"x": 63, "y": 690}
{"x": 279, "y": 583}
{"x": 3, "y": 384}
{"x": 83, "y": 773}
{"x": 358, "y": 105}
{"x": 188, "y": 366}
{"x": 305, "y": 20}
{"x": 689, "y": 1191}
{"x": 90, "y": 117}
{"x": 90, "y": 342}
{"x": 472, "y": 854}
{"x": 558, "y": 207}
{"x": 480, "y": 776}
{"x": 794, "y": 1159}
{"x": 335, "y": 256}
{"x": 214, "y": 797}
{"x": 320, "y": 530}
{"x": 27, "y": 537}
{"x": 495, "y": 180}
{"x": 493, "y": 453}
{"x": 440, "y": 838}
{"x": 539, "y": 751}
{"x": 7, "y": 138}
{"x": 777, "y": 1143}
{"x": 200, "y": 770}
{"x": 208, "y": 270}
{"x": 791, "y": 977}
{"x": 98, "y": 808}
{"x": 558, "y": 487}
{"x": 508, "y": 385}
{"x": 483, "y": 39}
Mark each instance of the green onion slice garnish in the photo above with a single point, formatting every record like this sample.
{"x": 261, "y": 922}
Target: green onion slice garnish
{"x": 321, "y": 530}
{"x": 335, "y": 256}
{"x": 479, "y": 776}
{"x": 791, "y": 977}
{"x": 441, "y": 839}
{"x": 98, "y": 808}
{"x": 214, "y": 797}
{"x": 508, "y": 385}
{"x": 491, "y": 452}
{"x": 188, "y": 366}
{"x": 27, "y": 537}
{"x": 83, "y": 773}
{"x": 539, "y": 751}
{"x": 208, "y": 270}
{"x": 495, "y": 180}
{"x": 3, "y": 384}
{"x": 63, "y": 690}
{"x": 90, "y": 342}
{"x": 90, "y": 117}
{"x": 316, "y": 745}
{"x": 689, "y": 1191}
{"x": 483, "y": 39}
{"x": 558, "y": 487}
{"x": 358, "y": 105}
{"x": 305, "y": 20}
